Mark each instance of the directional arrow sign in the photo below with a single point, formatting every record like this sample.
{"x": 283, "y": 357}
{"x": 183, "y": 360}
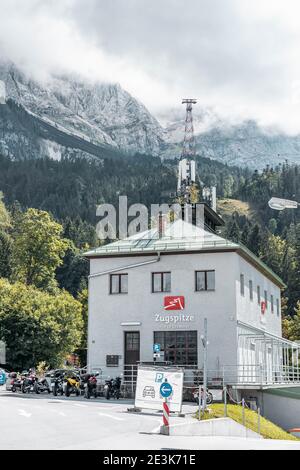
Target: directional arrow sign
{"x": 166, "y": 390}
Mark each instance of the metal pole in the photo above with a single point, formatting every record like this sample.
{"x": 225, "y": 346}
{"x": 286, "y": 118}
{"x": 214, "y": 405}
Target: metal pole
{"x": 258, "y": 420}
{"x": 243, "y": 411}
{"x": 205, "y": 365}
{"x": 225, "y": 401}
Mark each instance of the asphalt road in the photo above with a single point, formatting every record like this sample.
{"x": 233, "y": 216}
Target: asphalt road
{"x": 47, "y": 422}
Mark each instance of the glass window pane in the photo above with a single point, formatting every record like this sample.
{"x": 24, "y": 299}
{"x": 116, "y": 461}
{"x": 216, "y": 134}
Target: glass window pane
{"x": 242, "y": 284}
{"x": 124, "y": 283}
{"x": 159, "y": 339}
{"x": 251, "y": 290}
{"x": 156, "y": 282}
{"x": 258, "y": 295}
{"x": 272, "y": 303}
{"x": 266, "y": 298}
{"x": 200, "y": 281}
{"x": 210, "y": 280}
{"x": 166, "y": 282}
{"x": 114, "y": 280}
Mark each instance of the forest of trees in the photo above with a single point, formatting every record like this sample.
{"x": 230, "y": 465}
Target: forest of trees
{"x": 48, "y": 218}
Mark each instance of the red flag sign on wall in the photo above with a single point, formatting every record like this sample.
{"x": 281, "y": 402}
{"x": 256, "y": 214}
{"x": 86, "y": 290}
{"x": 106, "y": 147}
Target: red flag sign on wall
{"x": 174, "y": 302}
{"x": 263, "y": 307}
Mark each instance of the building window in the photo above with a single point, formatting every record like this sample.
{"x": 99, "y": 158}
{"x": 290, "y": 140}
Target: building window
{"x": 205, "y": 280}
{"x": 272, "y": 303}
{"x": 277, "y": 307}
{"x": 161, "y": 282}
{"x": 266, "y": 298}
{"x": 258, "y": 295}
{"x": 179, "y": 347}
{"x": 119, "y": 283}
{"x": 251, "y": 290}
{"x": 242, "y": 284}
{"x": 112, "y": 361}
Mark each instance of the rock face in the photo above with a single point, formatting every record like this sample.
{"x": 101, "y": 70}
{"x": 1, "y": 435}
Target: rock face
{"x": 101, "y": 114}
{"x": 66, "y": 117}
{"x": 243, "y": 144}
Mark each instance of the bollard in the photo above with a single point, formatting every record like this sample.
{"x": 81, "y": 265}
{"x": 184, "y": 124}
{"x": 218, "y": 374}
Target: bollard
{"x": 243, "y": 411}
{"x": 166, "y": 418}
{"x": 225, "y": 401}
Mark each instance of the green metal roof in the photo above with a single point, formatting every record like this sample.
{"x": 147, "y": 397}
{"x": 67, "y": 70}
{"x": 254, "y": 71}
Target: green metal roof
{"x": 180, "y": 237}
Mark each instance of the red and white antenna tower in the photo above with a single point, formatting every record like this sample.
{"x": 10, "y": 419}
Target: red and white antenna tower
{"x": 187, "y": 164}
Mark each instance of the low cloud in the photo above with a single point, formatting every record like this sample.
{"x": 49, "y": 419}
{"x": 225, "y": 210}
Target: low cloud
{"x": 238, "y": 58}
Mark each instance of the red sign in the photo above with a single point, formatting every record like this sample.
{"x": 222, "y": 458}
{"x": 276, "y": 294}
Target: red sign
{"x": 263, "y": 307}
{"x": 174, "y": 303}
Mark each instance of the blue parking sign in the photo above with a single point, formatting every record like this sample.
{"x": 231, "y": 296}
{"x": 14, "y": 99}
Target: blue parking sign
{"x": 166, "y": 390}
{"x": 156, "y": 348}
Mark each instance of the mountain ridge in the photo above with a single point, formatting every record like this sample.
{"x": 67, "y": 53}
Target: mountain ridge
{"x": 67, "y": 116}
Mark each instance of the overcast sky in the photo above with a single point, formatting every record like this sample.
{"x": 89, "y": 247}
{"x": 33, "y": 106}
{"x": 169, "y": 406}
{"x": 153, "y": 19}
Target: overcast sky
{"x": 240, "y": 57}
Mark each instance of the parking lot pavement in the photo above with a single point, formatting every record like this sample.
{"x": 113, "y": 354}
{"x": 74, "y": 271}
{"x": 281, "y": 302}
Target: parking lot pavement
{"x": 47, "y": 422}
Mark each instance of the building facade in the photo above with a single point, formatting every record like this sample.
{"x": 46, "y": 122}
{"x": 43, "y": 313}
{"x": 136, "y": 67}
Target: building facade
{"x": 153, "y": 289}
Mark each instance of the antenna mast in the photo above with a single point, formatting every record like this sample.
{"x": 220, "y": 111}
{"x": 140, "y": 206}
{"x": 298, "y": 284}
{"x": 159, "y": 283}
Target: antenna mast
{"x": 187, "y": 164}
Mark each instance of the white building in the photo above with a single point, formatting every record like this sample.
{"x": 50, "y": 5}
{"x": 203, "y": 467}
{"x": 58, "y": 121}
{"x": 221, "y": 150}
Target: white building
{"x": 135, "y": 283}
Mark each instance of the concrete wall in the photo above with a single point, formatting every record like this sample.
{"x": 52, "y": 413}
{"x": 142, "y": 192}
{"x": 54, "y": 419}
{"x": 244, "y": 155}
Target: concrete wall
{"x": 226, "y": 427}
{"x": 282, "y": 410}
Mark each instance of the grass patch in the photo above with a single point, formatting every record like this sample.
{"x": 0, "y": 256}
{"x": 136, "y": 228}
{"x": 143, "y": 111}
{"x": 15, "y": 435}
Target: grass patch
{"x": 268, "y": 430}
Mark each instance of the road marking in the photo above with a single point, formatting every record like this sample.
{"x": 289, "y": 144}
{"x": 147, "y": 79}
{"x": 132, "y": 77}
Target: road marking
{"x": 79, "y": 404}
{"x": 116, "y": 418}
{"x": 24, "y": 413}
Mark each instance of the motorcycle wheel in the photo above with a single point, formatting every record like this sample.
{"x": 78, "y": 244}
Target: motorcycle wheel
{"x": 36, "y": 389}
{"x": 13, "y": 389}
{"x": 23, "y": 389}
{"x": 77, "y": 392}
{"x": 209, "y": 398}
{"x": 55, "y": 391}
{"x": 87, "y": 393}
{"x": 95, "y": 393}
{"x": 68, "y": 392}
{"x": 107, "y": 395}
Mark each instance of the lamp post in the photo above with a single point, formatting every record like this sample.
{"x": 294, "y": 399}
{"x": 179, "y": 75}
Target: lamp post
{"x": 280, "y": 204}
{"x": 205, "y": 344}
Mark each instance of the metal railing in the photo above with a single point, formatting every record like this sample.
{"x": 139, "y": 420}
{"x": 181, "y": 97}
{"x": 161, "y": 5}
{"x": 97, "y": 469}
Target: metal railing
{"x": 235, "y": 375}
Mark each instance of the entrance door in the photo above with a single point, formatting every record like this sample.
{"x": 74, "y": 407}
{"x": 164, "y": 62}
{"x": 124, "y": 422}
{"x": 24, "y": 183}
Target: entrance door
{"x": 132, "y": 355}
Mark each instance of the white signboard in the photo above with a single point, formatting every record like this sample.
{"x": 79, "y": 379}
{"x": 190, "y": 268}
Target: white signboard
{"x": 149, "y": 381}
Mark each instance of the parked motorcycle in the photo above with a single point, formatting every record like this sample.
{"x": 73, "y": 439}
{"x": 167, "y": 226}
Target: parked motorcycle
{"x": 90, "y": 385}
{"x": 209, "y": 396}
{"x": 112, "y": 388}
{"x": 72, "y": 384}
{"x": 16, "y": 382}
{"x": 41, "y": 385}
{"x": 29, "y": 382}
{"x": 57, "y": 385}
